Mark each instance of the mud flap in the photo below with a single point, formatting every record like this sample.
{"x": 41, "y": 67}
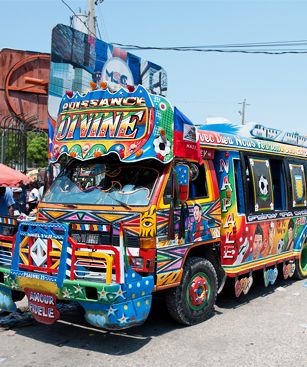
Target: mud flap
{"x": 121, "y": 305}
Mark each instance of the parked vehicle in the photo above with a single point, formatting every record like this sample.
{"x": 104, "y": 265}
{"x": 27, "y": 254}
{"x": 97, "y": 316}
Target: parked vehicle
{"x": 147, "y": 202}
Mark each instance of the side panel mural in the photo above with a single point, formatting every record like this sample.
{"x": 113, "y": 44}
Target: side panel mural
{"x": 264, "y": 237}
{"x": 201, "y": 224}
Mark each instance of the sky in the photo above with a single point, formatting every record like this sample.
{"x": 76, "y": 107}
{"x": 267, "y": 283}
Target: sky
{"x": 201, "y": 85}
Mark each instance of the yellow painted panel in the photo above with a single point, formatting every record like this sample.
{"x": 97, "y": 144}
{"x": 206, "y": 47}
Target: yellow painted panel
{"x": 169, "y": 278}
{"x": 38, "y": 285}
{"x": 110, "y": 217}
{"x": 55, "y": 213}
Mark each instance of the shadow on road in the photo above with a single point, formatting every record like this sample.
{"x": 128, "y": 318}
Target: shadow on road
{"x": 74, "y": 332}
{"x": 228, "y": 300}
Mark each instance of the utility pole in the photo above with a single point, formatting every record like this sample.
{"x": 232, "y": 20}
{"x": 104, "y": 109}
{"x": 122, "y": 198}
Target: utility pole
{"x": 91, "y": 18}
{"x": 242, "y": 113}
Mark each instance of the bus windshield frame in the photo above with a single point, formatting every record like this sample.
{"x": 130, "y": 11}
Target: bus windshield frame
{"x": 104, "y": 182}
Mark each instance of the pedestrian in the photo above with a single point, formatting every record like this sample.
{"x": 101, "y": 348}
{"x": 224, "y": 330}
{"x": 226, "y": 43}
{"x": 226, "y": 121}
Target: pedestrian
{"x": 33, "y": 198}
{"x": 6, "y": 202}
{"x": 19, "y": 197}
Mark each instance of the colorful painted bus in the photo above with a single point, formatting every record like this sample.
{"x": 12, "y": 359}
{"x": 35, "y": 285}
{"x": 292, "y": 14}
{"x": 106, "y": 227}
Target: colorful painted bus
{"x": 146, "y": 202}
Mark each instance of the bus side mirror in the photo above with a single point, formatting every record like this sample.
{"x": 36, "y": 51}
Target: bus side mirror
{"x": 182, "y": 178}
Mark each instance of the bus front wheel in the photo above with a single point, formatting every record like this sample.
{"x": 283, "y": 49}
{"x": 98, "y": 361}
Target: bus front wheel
{"x": 193, "y": 300}
{"x": 301, "y": 263}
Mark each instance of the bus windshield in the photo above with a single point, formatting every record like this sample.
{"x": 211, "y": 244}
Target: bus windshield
{"x": 101, "y": 183}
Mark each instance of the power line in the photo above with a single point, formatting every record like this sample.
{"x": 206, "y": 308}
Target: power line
{"x": 224, "y": 48}
{"x": 208, "y": 49}
{"x": 103, "y": 24}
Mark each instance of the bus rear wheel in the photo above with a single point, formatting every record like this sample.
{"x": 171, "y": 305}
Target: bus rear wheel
{"x": 193, "y": 300}
{"x": 301, "y": 263}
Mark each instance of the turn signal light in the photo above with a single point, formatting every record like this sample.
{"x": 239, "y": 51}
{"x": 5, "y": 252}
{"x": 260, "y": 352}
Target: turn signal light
{"x": 147, "y": 243}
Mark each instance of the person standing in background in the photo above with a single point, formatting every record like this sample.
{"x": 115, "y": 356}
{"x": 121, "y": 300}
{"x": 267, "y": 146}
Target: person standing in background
{"x": 6, "y": 202}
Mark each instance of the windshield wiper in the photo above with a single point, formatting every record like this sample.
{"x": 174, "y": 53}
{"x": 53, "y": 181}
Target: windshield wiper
{"x": 120, "y": 202}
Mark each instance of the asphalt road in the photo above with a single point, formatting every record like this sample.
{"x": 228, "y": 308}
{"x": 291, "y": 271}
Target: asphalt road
{"x": 267, "y": 327}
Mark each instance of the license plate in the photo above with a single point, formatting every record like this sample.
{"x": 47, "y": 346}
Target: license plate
{"x": 42, "y": 306}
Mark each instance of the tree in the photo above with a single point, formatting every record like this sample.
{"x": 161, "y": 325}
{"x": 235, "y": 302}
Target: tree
{"x": 37, "y": 149}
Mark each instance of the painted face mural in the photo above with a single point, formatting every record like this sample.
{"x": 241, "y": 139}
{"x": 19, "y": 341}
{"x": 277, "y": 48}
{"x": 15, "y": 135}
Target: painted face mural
{"x": 198, "y": 229}
{"x": 258, "y": 243}
{"x": 290, "y": 241}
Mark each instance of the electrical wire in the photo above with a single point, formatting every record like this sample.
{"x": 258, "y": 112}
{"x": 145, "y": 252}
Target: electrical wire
{"x": 103, "y": 24}
{"x": 237, "y": 48}
{"x": 224, "y": 48}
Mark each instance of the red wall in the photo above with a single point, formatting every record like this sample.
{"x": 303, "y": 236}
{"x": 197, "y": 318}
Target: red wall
{"x": 24, "y": 77}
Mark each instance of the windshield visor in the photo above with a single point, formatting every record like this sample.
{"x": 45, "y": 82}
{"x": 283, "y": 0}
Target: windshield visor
{"x": 102, "y": 183}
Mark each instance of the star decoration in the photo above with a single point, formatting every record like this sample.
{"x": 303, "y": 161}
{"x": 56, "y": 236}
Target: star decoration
{"x": 102, "y": 294}
{"x": 65, "y": 293}
{"x": 14, "y": 285}
{"x": 120, "y": 293}
{"x": 78, "y": 289}
{"x": 111, "y": 311}
{"x": 123, "y": 319}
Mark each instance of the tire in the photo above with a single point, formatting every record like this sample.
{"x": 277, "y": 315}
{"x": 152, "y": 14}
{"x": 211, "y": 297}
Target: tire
{"x": 193, "y": 300}
{"x": 301, "y": 264}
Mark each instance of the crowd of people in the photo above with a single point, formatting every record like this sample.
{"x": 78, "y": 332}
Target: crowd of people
{"x": 20, "y": 201}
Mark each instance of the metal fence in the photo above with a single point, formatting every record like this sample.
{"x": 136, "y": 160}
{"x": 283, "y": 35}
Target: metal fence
{"x": 14, "y": 132}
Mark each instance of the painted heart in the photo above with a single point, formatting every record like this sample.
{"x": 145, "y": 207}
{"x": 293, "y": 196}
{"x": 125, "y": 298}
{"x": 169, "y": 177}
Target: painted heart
{"x": 244, "y": 284}
{"x": 291, "y": 269}
{"x": 272, "y": 275}
{"x": 238, "y": 288}
{"x": 247, "y": 283}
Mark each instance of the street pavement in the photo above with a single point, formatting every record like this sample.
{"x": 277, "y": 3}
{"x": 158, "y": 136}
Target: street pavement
{"x": 266, "y": 327}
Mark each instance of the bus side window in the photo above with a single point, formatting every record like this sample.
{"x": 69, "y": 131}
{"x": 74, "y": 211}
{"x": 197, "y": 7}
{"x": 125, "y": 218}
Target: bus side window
{"x": 298, "y": 184}
{"x": 198, "y": 187}
{"x": 262, "y": 190}
{"x": 279, "y": 185}
{"x": 239, "y": 186}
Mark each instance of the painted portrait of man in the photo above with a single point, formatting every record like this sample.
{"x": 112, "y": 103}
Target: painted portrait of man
{"x": 199, "y": 229}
